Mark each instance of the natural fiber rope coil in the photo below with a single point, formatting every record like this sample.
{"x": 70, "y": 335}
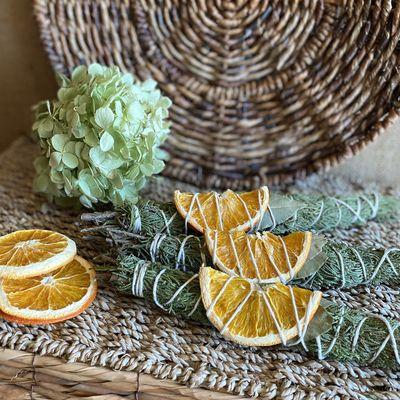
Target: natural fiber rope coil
{"x": 262, "y": 90}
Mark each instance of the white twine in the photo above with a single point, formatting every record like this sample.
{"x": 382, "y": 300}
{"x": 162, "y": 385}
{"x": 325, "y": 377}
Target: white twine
{"x": 319, "y": 215}
{"x": 188, "y": 215}
{"x": 279, "y": 273}
{"x": 180, "y": 259}
{"x": 138, "y": 279}
{"x": 175, "y": 295}
{"x": 321, "y": 354}
{"x": 159, "y": 275}
{"x": 342, "y": 268}
{"x": 155, "y": 245}
{"x": 168, "y": 222}
{"x": 391, "y": 336}
{"x": 218, "y": 207}
{"x": 235, "y": 253}
{"x": 385, "y": 257}
{"x": 137, "y": 225}
{"x": 339, "y": 203}
{"x": 179, "y": 290}
{"x": 302, "y": 325}
{"x": 217, "y": 200}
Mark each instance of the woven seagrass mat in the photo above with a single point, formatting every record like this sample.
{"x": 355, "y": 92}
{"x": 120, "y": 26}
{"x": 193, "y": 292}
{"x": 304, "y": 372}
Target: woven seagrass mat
{"x": 262, "y": 91}
{"x": 124, "y": 333}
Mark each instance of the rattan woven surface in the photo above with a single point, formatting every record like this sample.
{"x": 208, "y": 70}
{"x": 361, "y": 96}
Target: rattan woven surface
{"x": 126, "y": 334}
{"x": 263, "y": 91}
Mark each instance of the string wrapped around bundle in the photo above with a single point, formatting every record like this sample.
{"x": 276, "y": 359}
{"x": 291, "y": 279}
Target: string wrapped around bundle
{"x": 352, "y": 335}
{"x": 331, "y": 265}
{"x": 286, "y": 213}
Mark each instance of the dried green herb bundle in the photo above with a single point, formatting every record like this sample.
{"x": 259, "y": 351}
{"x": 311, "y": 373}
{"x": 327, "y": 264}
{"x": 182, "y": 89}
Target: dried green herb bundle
{"x": 286, "y": 214}
{"x": 319, "y": 213}
{"x": 341, "y": 265}
{"x": 353, "y": 336}
{"x": 348, "y": 266}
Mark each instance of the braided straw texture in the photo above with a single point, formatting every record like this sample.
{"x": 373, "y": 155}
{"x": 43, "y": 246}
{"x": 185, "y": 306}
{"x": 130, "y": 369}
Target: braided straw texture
{"x": 124, "y": 333}
{"x": 263, "y": 91}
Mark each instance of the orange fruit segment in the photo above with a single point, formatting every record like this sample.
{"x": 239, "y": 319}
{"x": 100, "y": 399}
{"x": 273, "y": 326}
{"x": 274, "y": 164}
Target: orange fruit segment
{"x": 31, "y": 252}
{"x": 226, "y": 211}
{"x": 261, "y": 256}
{"x": 50, "y": 297}
{"x": 252, "y": 315}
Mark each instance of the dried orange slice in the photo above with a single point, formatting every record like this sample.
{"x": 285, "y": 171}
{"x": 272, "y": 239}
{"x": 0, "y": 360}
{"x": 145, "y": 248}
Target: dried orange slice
{"x": 261, "y": 256}
{"x": 51, "y": 297}
{"x": 226, "y": 211}
{"x": 249, "y": 314}
{"x": 33, "y": 252}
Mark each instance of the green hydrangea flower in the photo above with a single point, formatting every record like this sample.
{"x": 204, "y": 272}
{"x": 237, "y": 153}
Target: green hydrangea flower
{"x": 100, "y": 139}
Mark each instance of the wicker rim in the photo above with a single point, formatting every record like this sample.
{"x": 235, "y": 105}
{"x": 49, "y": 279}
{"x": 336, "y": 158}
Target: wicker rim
{"x": 314, "y": 83}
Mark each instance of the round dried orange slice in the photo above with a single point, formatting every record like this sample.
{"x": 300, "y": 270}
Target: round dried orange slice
{"x": 261, "y": 256}
{"x": 33, "y": 252}
{"x": 226, "y": 211}
{"x": 51, "y": 297}
{"x": 254, "y": 315}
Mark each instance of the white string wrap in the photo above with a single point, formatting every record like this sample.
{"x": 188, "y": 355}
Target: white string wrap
{"x": 180, "y": 259}
{"x": 138, "y": 279}
{"x": 357, "y": 217}
{"x": 155, "y": 245}
{"x": 217, "y": 201}
{"x": 390, "y": 337}
{"x": 279, "y": 273}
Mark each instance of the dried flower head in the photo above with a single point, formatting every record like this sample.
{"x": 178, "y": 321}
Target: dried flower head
{"x": 100, "y": 139}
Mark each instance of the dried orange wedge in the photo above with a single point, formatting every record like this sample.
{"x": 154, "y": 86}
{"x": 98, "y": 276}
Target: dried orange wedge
{"x": 226, "y": 211}
{"x": 33, "y": 252}
{"x": 51, "y": 297}
{"x": 261, "y": 256}
{"x": 249, "y": 314}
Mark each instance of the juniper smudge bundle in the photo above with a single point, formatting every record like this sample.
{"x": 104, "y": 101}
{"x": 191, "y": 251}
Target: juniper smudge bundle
{"x": 323, "y": 213}
{"x": 358, "y": 336}
{"x": 287, "y": 213}
{"x": 172, "y": 290}
{"x": 344, "y": 266}
{"x": 348, "y": 266}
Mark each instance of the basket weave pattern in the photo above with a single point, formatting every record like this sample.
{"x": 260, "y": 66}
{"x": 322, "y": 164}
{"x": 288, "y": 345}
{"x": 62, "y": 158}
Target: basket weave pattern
{"x": 124, "y": 333}
{"x": 262, "y": 90}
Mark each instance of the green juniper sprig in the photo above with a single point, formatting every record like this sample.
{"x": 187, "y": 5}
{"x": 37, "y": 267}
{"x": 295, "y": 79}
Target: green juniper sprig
{"x": 154, "y": 281}
{"x": 320, "y": 213}
{"x": 353, "y": 335}
{"x": 344, "y": 266}
{"x": 287, "y": 213}
{"x": 349, "y": 266}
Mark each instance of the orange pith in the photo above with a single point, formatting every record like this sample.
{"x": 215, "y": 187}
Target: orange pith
{"x": 225, "y": 211}
{"x": 262, "y": 256}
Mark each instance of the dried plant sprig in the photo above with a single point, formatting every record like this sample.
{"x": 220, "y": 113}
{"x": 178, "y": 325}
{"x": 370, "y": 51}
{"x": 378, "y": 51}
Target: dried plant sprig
{"x": 320, "y": 213}
{"x": 354, "y": 335}
{"x": 347, "y": 266}
{"x": 100, "y": 138}
{"x": 287, "y": 213}
{"x": 343, "y": 266}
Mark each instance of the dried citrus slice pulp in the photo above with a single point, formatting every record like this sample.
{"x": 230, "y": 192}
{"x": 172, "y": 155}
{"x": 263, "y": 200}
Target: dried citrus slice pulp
{"x": 226, "y": 211}
{"x": 51, "y": 297}
{"x": 33, "y": 252}
{"x": 262, "y": 256}
{"x": 249, "y": 314}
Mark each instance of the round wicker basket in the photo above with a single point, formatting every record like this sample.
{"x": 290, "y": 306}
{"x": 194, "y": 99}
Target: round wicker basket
{"x": 263, "y": 90}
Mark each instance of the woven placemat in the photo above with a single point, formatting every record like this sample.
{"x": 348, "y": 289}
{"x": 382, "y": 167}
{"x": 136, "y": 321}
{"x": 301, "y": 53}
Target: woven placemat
{"x": 126, "y": 334}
